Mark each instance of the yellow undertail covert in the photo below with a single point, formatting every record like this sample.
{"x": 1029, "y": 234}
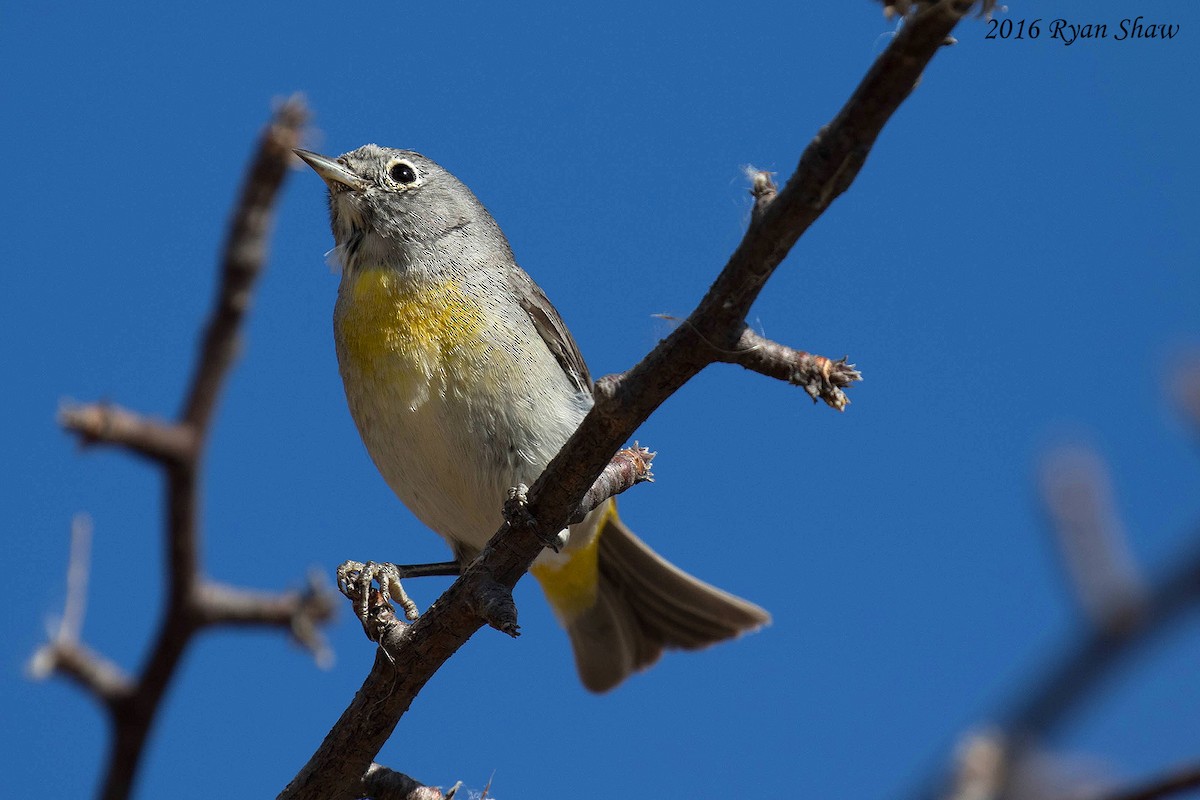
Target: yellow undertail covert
{"x": 571, "y": 587}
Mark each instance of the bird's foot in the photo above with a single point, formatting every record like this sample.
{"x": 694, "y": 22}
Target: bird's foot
{"x": 357, "y": 580}
{"x": 516, "y": 514}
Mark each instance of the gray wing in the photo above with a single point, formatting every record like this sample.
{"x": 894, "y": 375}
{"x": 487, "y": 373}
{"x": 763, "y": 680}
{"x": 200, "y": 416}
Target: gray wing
{"x": 552, "y": 329}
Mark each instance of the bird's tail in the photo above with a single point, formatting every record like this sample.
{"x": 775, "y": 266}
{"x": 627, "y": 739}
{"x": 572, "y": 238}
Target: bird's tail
{"x": 623, "y": 604}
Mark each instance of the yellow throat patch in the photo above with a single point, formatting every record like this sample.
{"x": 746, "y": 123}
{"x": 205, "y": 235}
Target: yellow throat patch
{"x": 407, "y": 329}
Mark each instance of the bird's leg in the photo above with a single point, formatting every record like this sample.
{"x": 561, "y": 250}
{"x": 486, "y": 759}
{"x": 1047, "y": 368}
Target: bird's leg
{"x": 354, "y": 580}
{"x": 437, "y": 568}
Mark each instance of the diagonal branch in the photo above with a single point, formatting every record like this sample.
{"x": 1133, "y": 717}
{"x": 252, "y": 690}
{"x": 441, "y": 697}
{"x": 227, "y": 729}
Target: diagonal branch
{"x": 1049, "y": 698}
{"x": 1179, "y": 780}
{"x": 1061, "y": 687}
{"x": 92, "y": 672}
{"x": 623, "y": 402}
{"x": 242, "y": 260}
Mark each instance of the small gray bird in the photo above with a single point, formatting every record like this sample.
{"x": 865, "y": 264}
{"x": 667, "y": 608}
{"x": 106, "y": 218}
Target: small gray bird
{"x": 464, "y": 382}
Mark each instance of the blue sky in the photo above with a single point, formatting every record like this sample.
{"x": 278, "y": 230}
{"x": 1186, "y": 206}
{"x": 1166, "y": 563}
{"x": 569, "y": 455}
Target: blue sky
{"x": 1016, "y": 267}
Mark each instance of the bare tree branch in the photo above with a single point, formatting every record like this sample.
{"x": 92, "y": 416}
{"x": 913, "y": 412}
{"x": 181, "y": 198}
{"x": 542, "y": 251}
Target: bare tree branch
{"x": 79, "y": 567}
{"x": 628, "y": 468}
{"x": 298, "y": 612}
{"x": 1186, "y": 391}
{"x": 243, "y": 258}
{"x": 192, "y": 602}
{"x": 92, "y": 672}
{"x": 1046, "y": 702}
{"x": 1078, "y": 495}
{"x": 493, "y": 602}
{"x": 65, "y": 653}
{"x": 1126, "y": 614}
{"x": 1179, "y": 780}
{"x": 155, "y": 439}
{"x": 623, "y": 402}
{"x": 821, "y": 378}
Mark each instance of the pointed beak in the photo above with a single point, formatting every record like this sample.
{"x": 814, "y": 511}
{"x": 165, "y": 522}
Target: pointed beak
{"x": 336, "y": 176}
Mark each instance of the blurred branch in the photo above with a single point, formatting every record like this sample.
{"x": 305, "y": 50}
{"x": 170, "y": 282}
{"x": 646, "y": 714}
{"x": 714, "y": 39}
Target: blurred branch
{"x": 1174, "y": 782}
{"x": 1186, "y": 385}
{"x": 825, "y": 170}
{"x": 1126, "y": 615}
{"x": 79, "y": 567}
{"x": 64, "y": 653}
{"x": 1046, "y": 701}
{"x": 298, "y": 612}
{"x": 1064, "y": 686}
{"x": 157, "y": 440}
{"x": 89, "y": 670}
{"x": 192, "y": 602}
{"x": 1078, "y": 495}
{"x": 243, "y": 258}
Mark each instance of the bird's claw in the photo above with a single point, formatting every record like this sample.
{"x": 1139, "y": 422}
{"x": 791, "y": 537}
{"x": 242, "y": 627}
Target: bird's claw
{"x": 516, "y": 514}
{"x": 355, "y": 580}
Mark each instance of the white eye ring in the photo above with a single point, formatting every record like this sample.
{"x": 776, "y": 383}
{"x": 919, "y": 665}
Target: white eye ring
{"x": 402, "y": 173}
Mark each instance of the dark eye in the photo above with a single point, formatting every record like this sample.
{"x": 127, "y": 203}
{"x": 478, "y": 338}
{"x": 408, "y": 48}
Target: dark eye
{"x": 402, "y": 173}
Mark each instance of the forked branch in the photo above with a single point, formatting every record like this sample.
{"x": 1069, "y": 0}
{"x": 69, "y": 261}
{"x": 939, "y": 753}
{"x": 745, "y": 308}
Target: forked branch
{"x": 192, "y": 602}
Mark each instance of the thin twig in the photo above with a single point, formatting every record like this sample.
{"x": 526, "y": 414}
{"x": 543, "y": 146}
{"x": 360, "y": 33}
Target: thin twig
{"x": 1078, "y": 495}
{"x": 79, "y": 566}
{"x": 64, "y": 653}
{"x": 89, "y": 670}
{"x": 155, "y": 439}
{"x": 627, "y": 469}
{"x": 298, "y": 612}
{"x": 820, "y": 377}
